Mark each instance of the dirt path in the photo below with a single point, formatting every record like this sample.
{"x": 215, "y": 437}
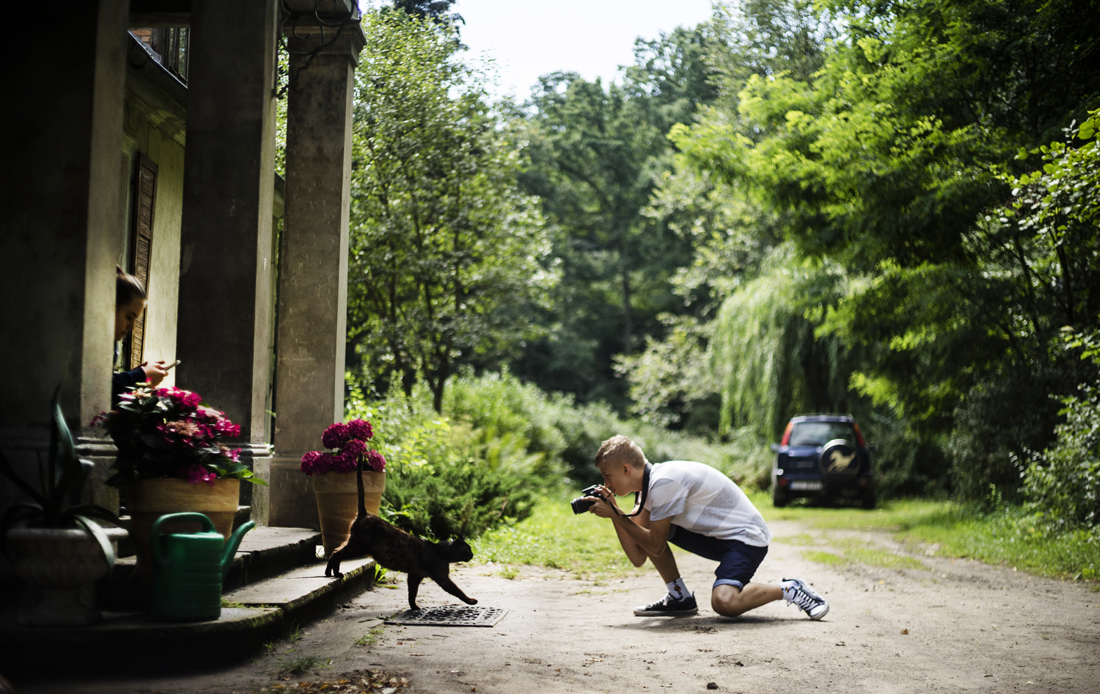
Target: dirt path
{"x": 953, "y": 625}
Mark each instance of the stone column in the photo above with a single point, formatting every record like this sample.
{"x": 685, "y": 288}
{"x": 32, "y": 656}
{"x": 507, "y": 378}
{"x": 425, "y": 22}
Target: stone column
{"x": 60, "y": 194}
{"x": 58, "y": 199}
{"x": 313, "y": 259}
{"x": 227, "y": 254}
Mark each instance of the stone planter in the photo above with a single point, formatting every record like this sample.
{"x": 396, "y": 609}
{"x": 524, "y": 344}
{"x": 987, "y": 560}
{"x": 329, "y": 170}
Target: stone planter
{"x": 338, "y": 502}
{"x": 65, "y": 564}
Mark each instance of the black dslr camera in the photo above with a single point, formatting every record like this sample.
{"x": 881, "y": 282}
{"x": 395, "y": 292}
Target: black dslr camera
{"x": 580, "y": 504}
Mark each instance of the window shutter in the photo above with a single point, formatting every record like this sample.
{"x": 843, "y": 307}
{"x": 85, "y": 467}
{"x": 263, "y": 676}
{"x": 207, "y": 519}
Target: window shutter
{"x": 145, "y": 196}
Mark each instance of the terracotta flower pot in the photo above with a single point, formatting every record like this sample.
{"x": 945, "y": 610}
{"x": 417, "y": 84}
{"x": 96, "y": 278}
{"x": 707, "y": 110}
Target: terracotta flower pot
{"x": 338, "y": 502}
{"x": 147, "y": 500}
{"x": 65, "y": 564}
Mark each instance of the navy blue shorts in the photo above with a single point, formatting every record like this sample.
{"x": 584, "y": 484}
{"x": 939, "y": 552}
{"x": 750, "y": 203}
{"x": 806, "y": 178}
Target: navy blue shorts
{"x": 737, "y": 562}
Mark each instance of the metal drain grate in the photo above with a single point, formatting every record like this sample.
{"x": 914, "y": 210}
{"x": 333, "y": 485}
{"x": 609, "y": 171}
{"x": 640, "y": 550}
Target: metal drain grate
{"x": 450, "y": 616}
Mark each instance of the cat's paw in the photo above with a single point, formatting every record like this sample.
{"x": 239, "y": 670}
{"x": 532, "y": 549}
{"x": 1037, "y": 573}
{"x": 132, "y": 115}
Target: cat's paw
{"x": 471, "y": 601}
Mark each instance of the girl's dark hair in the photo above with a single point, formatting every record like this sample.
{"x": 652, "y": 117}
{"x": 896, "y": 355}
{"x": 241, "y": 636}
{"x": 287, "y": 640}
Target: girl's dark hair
{"x": 127, "y": 288}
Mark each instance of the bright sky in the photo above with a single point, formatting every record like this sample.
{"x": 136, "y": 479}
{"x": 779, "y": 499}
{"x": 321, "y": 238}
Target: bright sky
{"x": 591, "y": 37}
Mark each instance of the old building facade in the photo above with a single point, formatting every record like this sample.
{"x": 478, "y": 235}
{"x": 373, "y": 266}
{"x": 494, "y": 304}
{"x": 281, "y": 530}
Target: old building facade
{"x": 128, "y": 151}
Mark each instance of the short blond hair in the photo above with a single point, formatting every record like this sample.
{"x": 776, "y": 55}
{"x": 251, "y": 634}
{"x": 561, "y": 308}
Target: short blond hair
{"x": 620, "y": 449}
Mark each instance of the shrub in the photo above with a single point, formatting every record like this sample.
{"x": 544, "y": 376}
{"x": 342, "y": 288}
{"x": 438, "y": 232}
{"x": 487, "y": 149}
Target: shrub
{"x": 997, "y": 423}
{"x": 455, "y": 498}
{"x": 502, "y": 441}
{"x": 1063, "y": 483}
{"x": 568, "y": 435}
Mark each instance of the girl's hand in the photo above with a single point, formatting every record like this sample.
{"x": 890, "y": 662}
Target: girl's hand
{"x": 154, "y": 372}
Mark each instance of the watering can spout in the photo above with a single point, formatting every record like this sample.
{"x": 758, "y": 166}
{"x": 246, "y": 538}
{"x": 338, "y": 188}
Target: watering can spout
{"x": 231, "y": 546}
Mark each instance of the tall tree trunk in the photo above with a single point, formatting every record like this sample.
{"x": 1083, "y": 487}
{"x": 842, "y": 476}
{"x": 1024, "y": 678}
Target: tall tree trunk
{"x": 440, "y": 381}
{"x": 628, "y": 318}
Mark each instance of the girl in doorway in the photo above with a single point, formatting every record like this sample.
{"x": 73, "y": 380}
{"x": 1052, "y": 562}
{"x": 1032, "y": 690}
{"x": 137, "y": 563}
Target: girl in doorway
{"x": 129, "y": 303}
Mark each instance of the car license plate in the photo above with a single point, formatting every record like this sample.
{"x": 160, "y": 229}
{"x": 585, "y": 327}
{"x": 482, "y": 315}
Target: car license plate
{"x": 806, "y": 485}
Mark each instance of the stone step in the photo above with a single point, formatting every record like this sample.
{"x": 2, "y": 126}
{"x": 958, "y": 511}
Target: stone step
{"x": 263, "y": 553}
{"x": 259, "y": 611}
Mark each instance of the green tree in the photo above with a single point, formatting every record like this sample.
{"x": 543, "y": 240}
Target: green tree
{"x": 436, "y": 10}
{"x": 730, "y": 227}
{"x": 444, "y": 247}
{"x": 888, "y": 160}
{"x": 597, "y": 152}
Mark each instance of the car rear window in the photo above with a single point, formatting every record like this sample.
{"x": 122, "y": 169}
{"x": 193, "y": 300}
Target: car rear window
{"x": 820, "y": 433}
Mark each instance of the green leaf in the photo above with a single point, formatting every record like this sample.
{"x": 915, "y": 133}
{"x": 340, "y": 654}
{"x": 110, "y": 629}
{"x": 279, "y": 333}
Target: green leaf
{"x": 100, "y": 537}
{"x": 96, "y": 512}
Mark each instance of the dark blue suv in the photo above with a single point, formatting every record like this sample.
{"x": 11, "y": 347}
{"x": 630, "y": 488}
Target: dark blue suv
{"x": 823, "y": 456}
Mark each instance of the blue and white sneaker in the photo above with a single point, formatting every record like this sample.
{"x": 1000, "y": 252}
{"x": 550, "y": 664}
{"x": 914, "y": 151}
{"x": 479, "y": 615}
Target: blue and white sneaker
{"x": 795, "y": 592}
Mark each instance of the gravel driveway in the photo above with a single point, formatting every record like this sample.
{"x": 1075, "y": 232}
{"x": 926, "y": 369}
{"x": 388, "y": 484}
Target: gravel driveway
{"x": 934, "y": 625}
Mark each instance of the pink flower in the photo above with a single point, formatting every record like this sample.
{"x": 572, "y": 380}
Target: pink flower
{"x": 354, "y": 448}
{"x": 335, "y": 436}
{"x": 233, "y": 454}
{"x": 309, "y": 462}
{"x": 360, "y": 429}
{"x": 185, "y": 399}
{"x": 375, "y": 461}
{"x": 327, "y": 463}
{"x": 224, "y": 427}
{"x": 198, "y": 474}
{"x": 345, "y": 462}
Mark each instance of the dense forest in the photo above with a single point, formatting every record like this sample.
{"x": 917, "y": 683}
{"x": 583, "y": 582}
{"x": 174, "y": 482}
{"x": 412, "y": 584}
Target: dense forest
{"x": 888, "y": 208}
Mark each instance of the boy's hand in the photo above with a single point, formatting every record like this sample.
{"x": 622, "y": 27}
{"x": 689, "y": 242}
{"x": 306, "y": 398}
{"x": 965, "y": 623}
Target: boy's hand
{"x": 603, "y": 504}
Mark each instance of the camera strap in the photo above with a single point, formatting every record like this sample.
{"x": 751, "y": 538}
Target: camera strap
{"x": 639, "y": 505}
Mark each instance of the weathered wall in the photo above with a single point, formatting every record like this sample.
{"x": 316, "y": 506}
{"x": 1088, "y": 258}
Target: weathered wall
{"x": 154, "y": 127}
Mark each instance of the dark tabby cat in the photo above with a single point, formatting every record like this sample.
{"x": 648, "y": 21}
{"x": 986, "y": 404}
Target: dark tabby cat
{"x": 397, "y": 550}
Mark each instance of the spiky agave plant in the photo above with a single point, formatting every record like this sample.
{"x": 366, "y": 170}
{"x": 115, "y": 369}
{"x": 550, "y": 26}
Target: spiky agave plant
{"x": 61, "y": 478}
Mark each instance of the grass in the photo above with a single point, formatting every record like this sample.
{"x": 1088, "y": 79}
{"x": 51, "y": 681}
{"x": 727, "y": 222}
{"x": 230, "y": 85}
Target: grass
{"x": 553, "y": 537}
{"x": 852, "y": 551}
{"x": 827, "y": 558}
{"x": 298, "y": 666}
{"x": 296, "y": 633}
{"x": 371, "y": 637}
{"x": 587, "y": 546}
{"x": 1008, "y": 537}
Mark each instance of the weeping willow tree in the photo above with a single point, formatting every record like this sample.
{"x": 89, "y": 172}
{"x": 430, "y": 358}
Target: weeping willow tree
{"x": 769, "y": 356}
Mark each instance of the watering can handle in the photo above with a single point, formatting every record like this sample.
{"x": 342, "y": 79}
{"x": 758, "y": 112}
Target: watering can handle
{"x": 154, "y": 543}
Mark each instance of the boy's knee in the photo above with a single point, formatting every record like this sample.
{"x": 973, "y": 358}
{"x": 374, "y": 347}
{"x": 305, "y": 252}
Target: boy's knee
{"x": 726, "y": 601}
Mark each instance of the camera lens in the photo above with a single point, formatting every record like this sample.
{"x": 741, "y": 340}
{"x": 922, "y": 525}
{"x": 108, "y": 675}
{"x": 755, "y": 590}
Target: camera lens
{"x": 581, "y": 505}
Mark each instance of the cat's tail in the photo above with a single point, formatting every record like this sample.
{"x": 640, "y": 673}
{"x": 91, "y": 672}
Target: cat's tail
{"x": 359, "y": 485}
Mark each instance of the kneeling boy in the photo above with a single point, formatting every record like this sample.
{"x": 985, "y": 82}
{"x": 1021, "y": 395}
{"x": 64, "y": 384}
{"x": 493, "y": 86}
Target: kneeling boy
{"x": 699, "y": 509}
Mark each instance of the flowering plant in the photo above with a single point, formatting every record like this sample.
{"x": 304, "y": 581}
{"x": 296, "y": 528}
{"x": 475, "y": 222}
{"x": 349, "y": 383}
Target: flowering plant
{"x": 348, "y": 450}
{"x": 168, "y": 432}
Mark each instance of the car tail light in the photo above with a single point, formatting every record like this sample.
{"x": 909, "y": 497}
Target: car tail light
{"x": 787, "y": 434}
{"x": 859, "y": 436}
{"x": 783, "y": 481}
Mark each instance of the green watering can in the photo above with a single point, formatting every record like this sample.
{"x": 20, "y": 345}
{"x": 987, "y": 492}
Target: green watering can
{"x": 189, "y": 569}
